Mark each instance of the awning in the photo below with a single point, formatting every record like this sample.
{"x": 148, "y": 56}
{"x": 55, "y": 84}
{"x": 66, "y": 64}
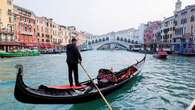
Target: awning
{"x": 10, "y": 43}
{"x": 31, "y": 45}
{"x": 46, "y": 45}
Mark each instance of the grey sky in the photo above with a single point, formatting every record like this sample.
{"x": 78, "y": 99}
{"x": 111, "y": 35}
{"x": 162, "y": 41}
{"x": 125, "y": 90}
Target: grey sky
{"x": 102, "y": 16}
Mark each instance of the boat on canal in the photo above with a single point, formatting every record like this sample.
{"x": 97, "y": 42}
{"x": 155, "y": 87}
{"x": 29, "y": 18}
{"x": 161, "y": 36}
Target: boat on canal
{"x": 85, "y": 92}
{"x": 161, "y": 54}
{"x": 19, "y": 53}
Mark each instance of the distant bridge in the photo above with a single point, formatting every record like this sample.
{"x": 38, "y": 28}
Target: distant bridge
{"x": 100, "y": 42}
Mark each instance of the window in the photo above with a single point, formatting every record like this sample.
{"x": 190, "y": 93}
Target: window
{"x": 175, "y": 23}
{"x": 9, "y": 12}
{"x": 25, "y": 28}
{"x": 10, "y": 19}
{"x": 21, "y": 19}
{"x": 192, "y": 18}
{"x": 30, "y": 29}
{"x": 184, "y": 20}
{"x": 179, "y": 31}
{"x": 184, "y": 13}
{"x": 14, "y": 17}
{"x": 9, "y": 2}
{"x": 192, "y": 9}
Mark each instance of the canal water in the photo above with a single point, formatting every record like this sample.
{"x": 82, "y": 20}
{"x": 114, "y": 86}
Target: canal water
{"x": 162, "y": 85}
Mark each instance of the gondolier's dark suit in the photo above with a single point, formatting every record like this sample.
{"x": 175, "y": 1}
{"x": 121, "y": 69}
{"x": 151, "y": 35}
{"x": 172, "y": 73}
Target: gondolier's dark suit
{"x": 73, "y": 58}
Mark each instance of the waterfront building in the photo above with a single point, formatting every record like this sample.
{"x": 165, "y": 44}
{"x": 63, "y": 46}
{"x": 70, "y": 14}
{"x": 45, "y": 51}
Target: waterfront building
{"x": 81, "y": 38}
{"x": 167, "y": 30}
{"x": 24, "y": 23}
{"x": 44, "y": 32}
{"x": 64, "y": 34}
{"x": 89, "y": 38}
{"x": 7, "y": 39}
{"x": 150, "y": 32}
{"x": 72, "y": 32}
{"x": 184, "y": 36}
{"x": 141, "y": 29}
{"x": 56, "y": 39}
{"x": 165, "y": 33}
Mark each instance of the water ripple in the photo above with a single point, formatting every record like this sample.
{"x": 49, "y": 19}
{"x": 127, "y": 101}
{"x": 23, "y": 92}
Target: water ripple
{"x": 162, "y": 85}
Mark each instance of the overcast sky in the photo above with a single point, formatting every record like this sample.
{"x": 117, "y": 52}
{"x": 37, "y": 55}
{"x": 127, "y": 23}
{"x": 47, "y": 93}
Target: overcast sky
{"x": 102, "y": 16}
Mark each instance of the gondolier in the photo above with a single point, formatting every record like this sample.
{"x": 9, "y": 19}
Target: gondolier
{"x": 73, "y": 58}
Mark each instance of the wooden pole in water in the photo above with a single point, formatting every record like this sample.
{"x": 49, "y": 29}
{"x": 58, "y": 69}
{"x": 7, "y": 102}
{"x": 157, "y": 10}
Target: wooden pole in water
{"x": 109, "y": 106}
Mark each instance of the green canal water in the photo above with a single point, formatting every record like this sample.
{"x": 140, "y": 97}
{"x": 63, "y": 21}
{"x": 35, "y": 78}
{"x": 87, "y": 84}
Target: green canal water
{"x": 162, "y": 85}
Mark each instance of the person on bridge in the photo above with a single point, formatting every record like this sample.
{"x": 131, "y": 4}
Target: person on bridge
{"x": 73, "y": 58}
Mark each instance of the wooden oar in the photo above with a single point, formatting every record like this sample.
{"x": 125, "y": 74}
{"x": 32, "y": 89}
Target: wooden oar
{"x": 109, "y": 106}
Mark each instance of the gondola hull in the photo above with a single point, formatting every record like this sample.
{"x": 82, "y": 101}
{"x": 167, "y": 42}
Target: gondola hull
{"x": 26, "y": 94}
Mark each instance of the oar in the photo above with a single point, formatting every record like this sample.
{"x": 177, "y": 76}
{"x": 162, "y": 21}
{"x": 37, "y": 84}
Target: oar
{"x": 109, "y": 106}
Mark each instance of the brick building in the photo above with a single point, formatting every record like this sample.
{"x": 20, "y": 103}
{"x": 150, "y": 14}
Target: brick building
{"x": 24, "y": 23}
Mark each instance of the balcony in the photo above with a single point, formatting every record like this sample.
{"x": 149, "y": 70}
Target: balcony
{"x": 26, "y": 33}
{"x": 6, "y": 31}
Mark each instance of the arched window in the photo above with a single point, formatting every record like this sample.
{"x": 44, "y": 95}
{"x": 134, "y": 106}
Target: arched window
{"x": 121, "y": 39}
{"x": 117, "y": 38}
{"x": 192, "y": 18}
{"x": 104, "y": 39}
{"x": 100, "y": 40}
{"x": 89, "y": 43}
{"x": 107, "y": 38}
{"x": 93, "y": 42}
{"x": 125, "y": 39}
{"x": 129, "y": 41}
{"x": 96, "y": 41}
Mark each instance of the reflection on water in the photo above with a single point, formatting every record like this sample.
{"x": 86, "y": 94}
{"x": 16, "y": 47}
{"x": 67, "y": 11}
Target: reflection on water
{"x": 162, "y": 85}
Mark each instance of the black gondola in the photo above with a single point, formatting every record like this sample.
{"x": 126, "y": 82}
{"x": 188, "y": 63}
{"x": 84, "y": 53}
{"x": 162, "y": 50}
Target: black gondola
{"x": 46, "y": 95}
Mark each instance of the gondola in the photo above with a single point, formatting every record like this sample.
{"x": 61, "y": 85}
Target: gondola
{"x": 86, "y": 92}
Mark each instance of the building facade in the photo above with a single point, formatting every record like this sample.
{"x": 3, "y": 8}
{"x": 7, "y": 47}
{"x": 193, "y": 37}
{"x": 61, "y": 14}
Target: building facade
{"x": 44, "y": 32}
{"x": 7, "y": 38}
{"x": 64, "y": 35}
{"x": 72, "y": 32}
{"x": 165, "y": 34}
{"x": 81, "y": 38}
{"x": 150, "y": 31}
{"x": 57, "y": 39}
{"x": 141, "y": 30}
{"x": 184, "y": 22}
{"x": 24, "y": 23}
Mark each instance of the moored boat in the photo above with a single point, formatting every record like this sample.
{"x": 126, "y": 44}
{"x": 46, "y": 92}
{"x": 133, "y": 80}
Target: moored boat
{"x": 188, "y": 54}
{"x": 19, "y": 53}
{"x": 72, "y": 95}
